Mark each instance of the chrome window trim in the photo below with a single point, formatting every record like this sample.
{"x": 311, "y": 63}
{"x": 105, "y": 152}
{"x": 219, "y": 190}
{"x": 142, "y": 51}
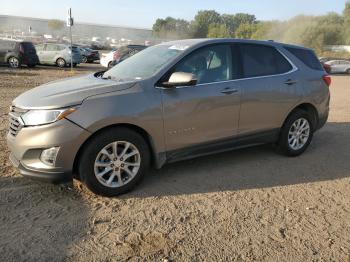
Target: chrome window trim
{"x": 294, "y": 69}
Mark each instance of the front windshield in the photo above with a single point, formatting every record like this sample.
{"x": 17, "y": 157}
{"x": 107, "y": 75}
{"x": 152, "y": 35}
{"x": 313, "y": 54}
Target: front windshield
{"x": 144, "y": 64}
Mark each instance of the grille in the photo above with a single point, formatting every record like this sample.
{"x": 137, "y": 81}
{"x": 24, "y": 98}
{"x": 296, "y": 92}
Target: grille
{"x": 15, "y": 120}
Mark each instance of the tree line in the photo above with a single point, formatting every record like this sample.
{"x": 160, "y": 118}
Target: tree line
{"x": 311, "y": 31}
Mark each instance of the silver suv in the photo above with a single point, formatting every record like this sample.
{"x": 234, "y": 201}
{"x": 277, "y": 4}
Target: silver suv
{"x": 170, "y": 102}
{"x": 58, "y": 54}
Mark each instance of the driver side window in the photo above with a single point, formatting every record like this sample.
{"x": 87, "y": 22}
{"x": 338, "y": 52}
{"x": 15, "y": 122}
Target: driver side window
{"x": 209, "y": 64}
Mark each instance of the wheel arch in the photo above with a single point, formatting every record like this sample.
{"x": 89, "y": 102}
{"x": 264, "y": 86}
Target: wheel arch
{"x": 135, "y": 128}
{"x": 308, "y": 107}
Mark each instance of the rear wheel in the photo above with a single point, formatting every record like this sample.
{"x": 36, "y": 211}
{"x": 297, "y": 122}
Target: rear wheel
{"x": 13, "y": 62}
{"x": 296, "y": 133}
{"x": 114, "y": 162}
{"x": 61, "y": 62}
{"x": 348, "y": 71}
{"x": 84, "y": 59}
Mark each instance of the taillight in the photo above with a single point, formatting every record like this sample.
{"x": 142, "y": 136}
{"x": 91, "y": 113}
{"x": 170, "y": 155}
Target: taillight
{"x": 327, "y": 79}
{"x": 21, "y": 49}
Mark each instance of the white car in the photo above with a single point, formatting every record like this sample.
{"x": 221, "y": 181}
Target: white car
{"x": 339, "y": 66}
{"x": 108, "y": 58}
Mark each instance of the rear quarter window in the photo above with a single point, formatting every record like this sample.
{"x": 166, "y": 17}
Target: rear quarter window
{"x": 306, "y": 56}
{"x": 260, "y": 60}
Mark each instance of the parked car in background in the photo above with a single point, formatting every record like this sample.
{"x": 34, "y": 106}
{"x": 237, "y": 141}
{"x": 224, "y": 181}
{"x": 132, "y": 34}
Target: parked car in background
{"x": 58, "y": 54}
{"x": 339, "y": 66}
{"x": 116, "y": 56}
{"x": 16, "y": 53}
{"x": 170, "y": 102}
{"x": 88, "y": 55}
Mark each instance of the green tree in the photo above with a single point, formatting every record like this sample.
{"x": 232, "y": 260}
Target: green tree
{"x": 242, "y": 18}
{"x": 218, "y": 31}
{"x": 346, "y": 30}
{"x": 266, "y": 30}
{"x": 55, "y": 25}
{"x": 246, "y": 31}
{"x": 230, "y": 23}
{"x": 171, "y": 28}
{"x": 201, "y": 22}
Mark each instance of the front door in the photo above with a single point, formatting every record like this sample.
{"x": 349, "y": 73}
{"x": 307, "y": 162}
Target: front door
{"x": 208, "y": 111}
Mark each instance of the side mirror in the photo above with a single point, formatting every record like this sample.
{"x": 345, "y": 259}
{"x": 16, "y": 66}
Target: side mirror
{"x": 181, "y": 79}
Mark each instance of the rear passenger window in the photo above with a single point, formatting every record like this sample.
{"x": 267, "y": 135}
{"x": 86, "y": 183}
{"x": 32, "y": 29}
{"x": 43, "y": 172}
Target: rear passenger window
{"x": 52, "y": 48}
{"x": 260, "y": 60}
{"x": 308, "y": 57}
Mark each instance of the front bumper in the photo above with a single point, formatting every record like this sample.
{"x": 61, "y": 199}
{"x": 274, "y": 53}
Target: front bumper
{"x": 54, "y": 177}
{"x": 26, "y": 148}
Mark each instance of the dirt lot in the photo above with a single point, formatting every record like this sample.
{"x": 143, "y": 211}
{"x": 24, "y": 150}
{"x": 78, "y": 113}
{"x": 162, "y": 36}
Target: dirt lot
{"x": 247, "y": 205}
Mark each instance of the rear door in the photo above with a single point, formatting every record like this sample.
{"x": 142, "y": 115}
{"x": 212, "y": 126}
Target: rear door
{"x": 269, "y": 88}
{"x": 40, "y": 52}
{"x": 336, "y": 67}
{"x": 50, "y": 53}
{"x": 208, "y": 111}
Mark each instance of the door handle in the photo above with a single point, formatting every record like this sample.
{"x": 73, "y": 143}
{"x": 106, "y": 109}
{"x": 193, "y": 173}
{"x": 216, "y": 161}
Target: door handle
{"x": 290, "y": 82}
{"x": 229, "y": 91}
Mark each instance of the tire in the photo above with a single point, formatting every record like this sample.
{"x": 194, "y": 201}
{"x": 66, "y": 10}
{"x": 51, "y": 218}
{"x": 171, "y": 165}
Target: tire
{"x": 84, "y": 59}
{"x": 110, "y": 64}
{"x": 348, "y": 71}
{"x": 75, "y": 64}
{"x": 287, "y": 136}
{"x": 13, "y": 62}
{"x": 97, "y": 149}
{"x": 60, "y": 62}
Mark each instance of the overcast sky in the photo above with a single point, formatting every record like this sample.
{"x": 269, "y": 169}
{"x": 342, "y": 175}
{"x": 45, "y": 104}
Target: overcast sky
{"x": 143, "y": 13}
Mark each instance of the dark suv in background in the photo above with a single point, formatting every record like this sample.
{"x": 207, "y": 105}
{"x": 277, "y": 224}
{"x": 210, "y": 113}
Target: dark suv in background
{"x": 125, "y": 52}
{"x": 15, "y": 53}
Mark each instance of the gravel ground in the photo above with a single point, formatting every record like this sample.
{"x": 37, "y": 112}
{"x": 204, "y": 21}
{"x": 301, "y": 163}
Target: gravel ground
{"x": 246, "y": 205}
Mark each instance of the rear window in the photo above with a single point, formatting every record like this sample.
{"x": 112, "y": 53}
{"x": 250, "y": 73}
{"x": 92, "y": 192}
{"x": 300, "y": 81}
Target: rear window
{"x": 260, "y": 60}
{"x": 308, "y": 57}
{"x": 28, "y": 47}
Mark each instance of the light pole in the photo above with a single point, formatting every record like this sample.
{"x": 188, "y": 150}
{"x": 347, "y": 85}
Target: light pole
{"x": 70, "y": 22}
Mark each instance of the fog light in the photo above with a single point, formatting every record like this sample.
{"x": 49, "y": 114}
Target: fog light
{"x": 48, "y": 156}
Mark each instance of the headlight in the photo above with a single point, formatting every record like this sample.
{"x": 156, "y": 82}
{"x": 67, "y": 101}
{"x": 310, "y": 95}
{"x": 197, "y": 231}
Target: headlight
{"x": 42, "y": 117}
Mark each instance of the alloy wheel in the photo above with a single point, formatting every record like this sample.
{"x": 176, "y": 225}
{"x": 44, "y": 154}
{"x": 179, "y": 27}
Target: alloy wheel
{"x": 13, "y": 62}
{"x": 299, "y": 134}
{"x": 117, "y": 164}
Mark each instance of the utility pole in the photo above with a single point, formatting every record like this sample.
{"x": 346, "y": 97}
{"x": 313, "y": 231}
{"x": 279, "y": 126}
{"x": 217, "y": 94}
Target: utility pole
{"x": 70, "y": 23}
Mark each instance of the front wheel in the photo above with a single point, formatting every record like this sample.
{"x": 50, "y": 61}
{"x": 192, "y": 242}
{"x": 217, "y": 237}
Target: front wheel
{"x": 114, "y": 161}
{"x": 296, "y": 133}
{"x": 61, "y": 62}
{"x": 348, "y": 71}
{"x": 84, "y": 59}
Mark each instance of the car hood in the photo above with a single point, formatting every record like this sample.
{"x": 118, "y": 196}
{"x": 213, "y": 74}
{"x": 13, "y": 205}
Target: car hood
{"x": 68, "y": 92}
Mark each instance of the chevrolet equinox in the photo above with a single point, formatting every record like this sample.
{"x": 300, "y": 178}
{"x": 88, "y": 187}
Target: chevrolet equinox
{"x": 170, "y": 102}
